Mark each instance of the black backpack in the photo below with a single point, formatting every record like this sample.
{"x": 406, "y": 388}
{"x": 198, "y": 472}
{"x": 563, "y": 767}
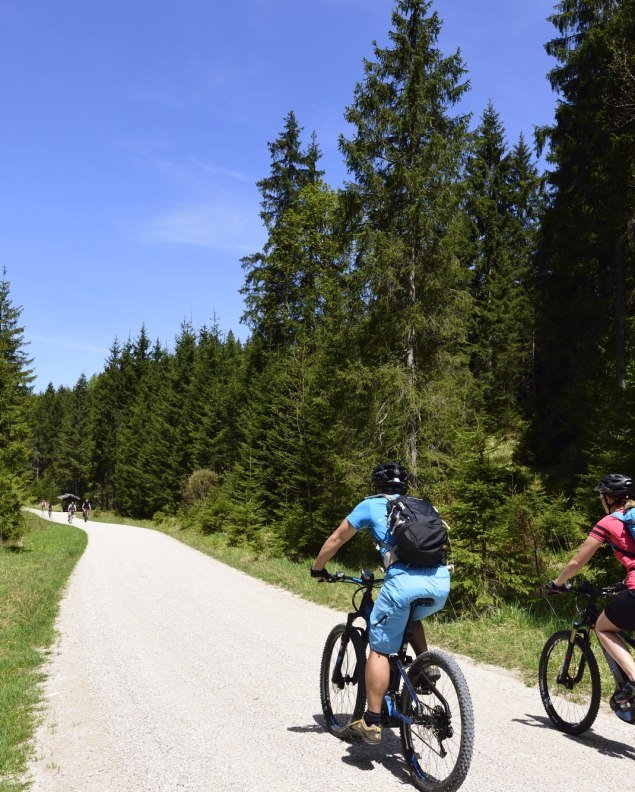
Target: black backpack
{"x": 420, "y": 533}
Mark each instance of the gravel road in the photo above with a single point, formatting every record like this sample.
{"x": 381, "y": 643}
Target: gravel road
{"x": 175, "y": 672}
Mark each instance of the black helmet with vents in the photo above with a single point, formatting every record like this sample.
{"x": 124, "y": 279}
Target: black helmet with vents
{"x": 617, "y": 485}
{"x": 390, "y": 474}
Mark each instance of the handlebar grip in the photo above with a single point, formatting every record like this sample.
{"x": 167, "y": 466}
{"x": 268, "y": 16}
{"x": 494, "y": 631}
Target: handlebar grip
{"x": 552, "y": 588}
{"x": 607, "y": 591}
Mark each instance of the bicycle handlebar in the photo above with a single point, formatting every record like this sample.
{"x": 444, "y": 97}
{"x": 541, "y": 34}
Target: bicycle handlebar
{"x": 367, "y": 578}
{"x": 588, "y": 589}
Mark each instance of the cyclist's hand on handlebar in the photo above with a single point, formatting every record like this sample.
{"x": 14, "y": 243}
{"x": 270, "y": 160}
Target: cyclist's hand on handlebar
{"x": 321, "y": 574}
{"x": 553, "y": 588}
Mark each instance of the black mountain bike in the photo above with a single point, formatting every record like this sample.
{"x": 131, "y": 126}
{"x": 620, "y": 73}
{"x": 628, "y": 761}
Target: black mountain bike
{"x": 427, "y": 699}
{"x": 568, "y": 674}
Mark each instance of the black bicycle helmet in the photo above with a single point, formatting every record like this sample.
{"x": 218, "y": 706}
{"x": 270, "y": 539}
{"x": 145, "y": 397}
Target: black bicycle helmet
{"x": 617, "y": 485}
{"x": 390, "y": 474}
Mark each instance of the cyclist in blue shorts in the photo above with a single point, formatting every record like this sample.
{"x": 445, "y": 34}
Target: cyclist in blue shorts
{"x": 402, "y": 585}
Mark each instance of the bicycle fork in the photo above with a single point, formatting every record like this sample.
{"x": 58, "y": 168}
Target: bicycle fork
{"x": 563, "y": 676}
{"x": 336, "y": 677}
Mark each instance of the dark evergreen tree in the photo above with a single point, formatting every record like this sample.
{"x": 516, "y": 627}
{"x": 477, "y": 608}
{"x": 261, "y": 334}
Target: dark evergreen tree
{"x": 526, "y": 203}
{"x": 138, "y": 394}
{"x": 502, "y": 205}
{"x": 106, "y": 408}
{"x": 15, "y": 440}
{"x": 220, "y": 392}
{"x": 46, "y": 420}
{"x": 276, "y": 276}
{"x": 73, "y": 442}
{"x": 584, "y": 266}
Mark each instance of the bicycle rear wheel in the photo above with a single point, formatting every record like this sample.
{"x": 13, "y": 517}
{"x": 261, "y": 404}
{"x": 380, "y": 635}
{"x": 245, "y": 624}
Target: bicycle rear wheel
{"x": 342, "y": 685}
{"x": 438, "y": 745}
{"x": 571, "y": 698}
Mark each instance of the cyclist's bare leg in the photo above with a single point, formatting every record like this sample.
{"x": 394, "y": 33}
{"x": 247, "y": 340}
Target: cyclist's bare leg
{"x": 417, "y": 637}
{"x": 606, "y": 632}
{"x": 377, "y": 679}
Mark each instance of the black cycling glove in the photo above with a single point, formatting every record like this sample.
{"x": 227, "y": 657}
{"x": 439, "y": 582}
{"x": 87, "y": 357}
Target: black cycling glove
{"x": 320, "y": 574}
{"x": 553, "y": 588}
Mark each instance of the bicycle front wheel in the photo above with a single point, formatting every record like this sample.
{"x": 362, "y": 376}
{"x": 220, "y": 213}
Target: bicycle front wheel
{"x": 438, "y": 744}
{"x": 570, "y": 691}
{"x": 342, "y": 685}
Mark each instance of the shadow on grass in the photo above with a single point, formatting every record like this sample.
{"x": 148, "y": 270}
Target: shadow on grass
{"x": 16, "y": 549}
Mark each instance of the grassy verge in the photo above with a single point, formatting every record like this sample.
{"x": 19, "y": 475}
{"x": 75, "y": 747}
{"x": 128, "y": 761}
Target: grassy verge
{"x": 511, "y": 636}
{"x": 32, "y": 579}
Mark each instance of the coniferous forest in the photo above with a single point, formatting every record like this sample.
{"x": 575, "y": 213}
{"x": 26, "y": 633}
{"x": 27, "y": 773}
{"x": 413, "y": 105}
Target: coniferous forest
{"x": 452, "y": 307}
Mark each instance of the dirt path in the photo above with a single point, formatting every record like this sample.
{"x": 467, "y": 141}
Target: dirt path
{"x": 176, "y": 672}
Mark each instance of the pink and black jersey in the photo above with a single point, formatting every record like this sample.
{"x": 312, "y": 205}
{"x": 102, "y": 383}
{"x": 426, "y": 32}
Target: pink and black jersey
{"x": 616, "y": 533}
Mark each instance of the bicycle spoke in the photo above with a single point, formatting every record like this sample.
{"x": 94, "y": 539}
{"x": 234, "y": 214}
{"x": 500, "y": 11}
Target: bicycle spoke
{"x": 570, "y": 692}
{"x": 342, "y": 680}
{"x": 438, "y": 745}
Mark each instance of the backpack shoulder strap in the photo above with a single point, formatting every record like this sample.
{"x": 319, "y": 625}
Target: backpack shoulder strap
{"x": 389, "y": 500}
{"x": 621, "y": 550}
{"x": 625, "y": 517}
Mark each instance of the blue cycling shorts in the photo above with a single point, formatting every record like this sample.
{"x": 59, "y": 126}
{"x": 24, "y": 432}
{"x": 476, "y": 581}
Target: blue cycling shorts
{"x": 402, "y": 585}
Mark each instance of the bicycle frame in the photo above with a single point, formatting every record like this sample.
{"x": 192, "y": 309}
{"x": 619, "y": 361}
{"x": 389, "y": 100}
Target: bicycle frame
{"x": 398, "y": 660}
{"x": 583, "y": 627}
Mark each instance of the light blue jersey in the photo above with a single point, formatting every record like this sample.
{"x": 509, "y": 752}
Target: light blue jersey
{"x": 402, "y": 584}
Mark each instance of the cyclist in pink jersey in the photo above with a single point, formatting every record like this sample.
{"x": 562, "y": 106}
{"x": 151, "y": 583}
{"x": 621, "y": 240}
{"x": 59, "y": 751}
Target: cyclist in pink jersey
{"x": 615, "y": 490}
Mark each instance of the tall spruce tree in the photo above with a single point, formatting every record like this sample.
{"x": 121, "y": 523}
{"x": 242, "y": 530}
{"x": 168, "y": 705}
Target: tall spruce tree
{"x": 220, "y": 391}
{"x": 15, "y": 441}
{"x": 275, "y": 276}
{"x": 503, "y": 208}
{"x": 526, "y": 198}
{"x": 489, "y": 257}
{"x": 406, "y": 155}
{"x": 106, "y": 407}
{"x": 46, "y": 418}
{"x": 73, "y": 442}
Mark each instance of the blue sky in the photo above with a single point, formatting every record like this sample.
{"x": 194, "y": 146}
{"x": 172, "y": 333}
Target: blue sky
{"x": 133, "y": 134}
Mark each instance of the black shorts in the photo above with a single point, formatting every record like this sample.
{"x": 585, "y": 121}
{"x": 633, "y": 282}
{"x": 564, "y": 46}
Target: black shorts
{"x": 621, "y": 610}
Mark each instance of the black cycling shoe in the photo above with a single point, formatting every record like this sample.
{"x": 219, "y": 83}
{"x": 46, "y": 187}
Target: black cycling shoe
{"x": 625, "y": 694}
{"x": 422, "y": 685}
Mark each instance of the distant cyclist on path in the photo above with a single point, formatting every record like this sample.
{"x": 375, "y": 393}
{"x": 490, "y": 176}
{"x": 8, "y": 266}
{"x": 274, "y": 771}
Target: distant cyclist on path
{"x": 402, "y": 585}
{"x": 86, "y": 508}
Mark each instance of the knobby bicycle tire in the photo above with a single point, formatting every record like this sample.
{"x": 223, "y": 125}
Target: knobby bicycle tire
{"x": 438, "y": 748}
{"x": 571, "y": 704}
{"x": 344, "y": 700}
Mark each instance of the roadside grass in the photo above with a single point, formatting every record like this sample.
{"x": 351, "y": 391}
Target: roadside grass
{"x": 32, "y": 579}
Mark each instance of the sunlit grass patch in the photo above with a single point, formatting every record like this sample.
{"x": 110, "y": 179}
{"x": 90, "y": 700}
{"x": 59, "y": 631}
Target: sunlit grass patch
{"x": 32, "y": 579}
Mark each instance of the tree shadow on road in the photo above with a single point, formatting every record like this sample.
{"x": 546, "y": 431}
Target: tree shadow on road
{"x": 601, "y": 744}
